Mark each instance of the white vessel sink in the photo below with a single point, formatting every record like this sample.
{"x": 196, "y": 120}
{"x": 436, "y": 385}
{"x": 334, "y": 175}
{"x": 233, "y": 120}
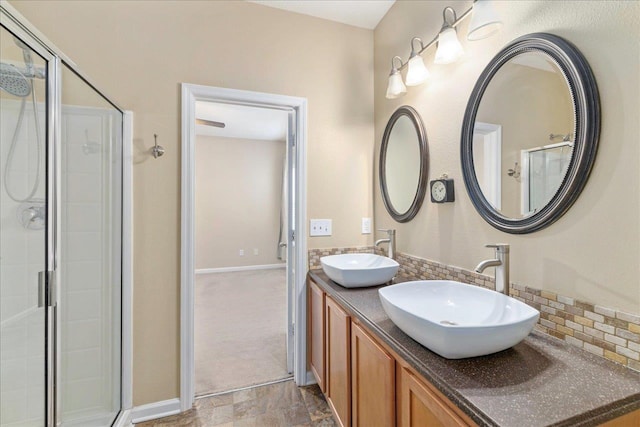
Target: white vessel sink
{"x": 457, "y": 320}
{"x": 359, "y": 270}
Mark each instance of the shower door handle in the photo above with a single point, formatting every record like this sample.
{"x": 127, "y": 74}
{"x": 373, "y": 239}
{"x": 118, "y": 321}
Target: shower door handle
{"x": 46, "y": 289}
{"x": 41, "y": 288}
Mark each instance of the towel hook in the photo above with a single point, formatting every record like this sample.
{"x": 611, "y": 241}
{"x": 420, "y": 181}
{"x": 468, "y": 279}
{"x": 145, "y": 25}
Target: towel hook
{"x": 157, "y": 150}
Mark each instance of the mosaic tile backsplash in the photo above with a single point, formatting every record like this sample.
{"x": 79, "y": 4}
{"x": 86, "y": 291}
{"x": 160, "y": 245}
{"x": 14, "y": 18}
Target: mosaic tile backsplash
{"x": 602, "y": 331}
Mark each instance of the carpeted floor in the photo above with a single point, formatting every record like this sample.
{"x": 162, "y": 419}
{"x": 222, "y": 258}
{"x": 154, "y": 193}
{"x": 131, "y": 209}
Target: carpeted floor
{"x": 240, "y": 329}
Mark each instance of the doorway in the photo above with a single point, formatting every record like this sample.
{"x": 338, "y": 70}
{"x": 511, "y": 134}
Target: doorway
{"x": 241, "y": 210}
{"x": 290, "y": 241}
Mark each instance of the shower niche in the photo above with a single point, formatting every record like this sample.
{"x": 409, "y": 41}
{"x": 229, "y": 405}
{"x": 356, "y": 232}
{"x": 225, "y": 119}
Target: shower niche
{"x": 60, "y": 223}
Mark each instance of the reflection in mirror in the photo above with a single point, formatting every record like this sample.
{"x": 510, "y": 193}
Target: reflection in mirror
{"x": 518, "y": 166}
{"x": 530, "y": 133}
{"x": 403, "y": 164}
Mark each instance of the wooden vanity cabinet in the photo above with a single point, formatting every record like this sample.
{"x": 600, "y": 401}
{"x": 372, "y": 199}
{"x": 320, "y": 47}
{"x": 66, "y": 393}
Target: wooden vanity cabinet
{"x": 421, "y": 405}
{"x": 316, "y": 333}
{"x": 372, "y": 381}
{"x": 338, "y": 366}
{"x": 366, "y": 384}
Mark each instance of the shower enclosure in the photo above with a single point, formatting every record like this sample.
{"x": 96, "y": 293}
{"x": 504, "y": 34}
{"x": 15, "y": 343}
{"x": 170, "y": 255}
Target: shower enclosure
{"x": 60, "y": 239}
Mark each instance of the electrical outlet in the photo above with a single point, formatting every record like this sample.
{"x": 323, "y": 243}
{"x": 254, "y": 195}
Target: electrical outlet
{"x": 320, "y": 227}
{"x": 241, "y": 252}
{"x": 366, "y": 225}
{"x": 256, "y": 251}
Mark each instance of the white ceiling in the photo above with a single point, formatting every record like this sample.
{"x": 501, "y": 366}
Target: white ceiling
{"x": 242, "y": 121}
{"x": 360, "y": 13}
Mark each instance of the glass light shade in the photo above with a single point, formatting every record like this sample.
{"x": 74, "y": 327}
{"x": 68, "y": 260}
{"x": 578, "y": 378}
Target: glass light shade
{"x": 449, "y": 47}
{"x": 396, "y": 87}
{"x": 484, "y": 21}
{"x": 417, "y": 73}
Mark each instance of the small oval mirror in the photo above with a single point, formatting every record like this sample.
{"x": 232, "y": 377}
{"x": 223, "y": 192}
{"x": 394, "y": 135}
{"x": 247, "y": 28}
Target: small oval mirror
{"x": 403, "y": 164}
{"x": 530, "y": 133}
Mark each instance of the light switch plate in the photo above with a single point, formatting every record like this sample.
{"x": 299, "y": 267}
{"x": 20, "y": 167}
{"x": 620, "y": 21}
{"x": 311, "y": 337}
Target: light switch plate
{"x": 366, "y": 225}
{"x": 320, "y": 227}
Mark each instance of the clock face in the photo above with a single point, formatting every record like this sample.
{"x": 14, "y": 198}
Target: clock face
{"x": 438, "y": 191}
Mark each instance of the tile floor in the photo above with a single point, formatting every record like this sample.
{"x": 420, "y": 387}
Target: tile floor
{"x": 276, "y": 405}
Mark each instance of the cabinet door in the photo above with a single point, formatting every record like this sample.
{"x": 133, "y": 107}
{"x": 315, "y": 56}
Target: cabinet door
{"x": 316, "y": 333}
{"x": 421, "y": 406}
{"x": 338, "y": 375}
{"x": 372, "y": 382}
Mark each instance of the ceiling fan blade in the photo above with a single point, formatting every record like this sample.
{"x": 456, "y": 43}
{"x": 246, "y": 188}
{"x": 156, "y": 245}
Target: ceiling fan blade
{"x": 210, "y": 123}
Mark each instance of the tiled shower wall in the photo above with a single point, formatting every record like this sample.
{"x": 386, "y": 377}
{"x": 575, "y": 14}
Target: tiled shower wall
{"x": 86, "y": 312}
{"x": 602, "y": 331}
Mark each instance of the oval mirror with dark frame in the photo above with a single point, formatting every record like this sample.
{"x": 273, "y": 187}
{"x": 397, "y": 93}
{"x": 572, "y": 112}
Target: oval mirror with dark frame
{"x": 403, "y": 164}
{"x": 530, "y": 133}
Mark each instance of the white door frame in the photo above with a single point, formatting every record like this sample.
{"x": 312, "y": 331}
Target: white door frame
{"x": 492, "y": 136}
{"x": 190, "y": 94}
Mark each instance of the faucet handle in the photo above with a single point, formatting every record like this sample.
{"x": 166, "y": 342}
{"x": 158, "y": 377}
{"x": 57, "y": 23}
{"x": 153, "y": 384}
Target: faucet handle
{"x": 499, "y": 247}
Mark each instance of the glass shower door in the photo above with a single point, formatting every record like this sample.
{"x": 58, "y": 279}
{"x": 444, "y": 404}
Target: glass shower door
{"x": 23, "y": 231}
{"x": 60, "y": 240}
{"x": 90, "y": 259}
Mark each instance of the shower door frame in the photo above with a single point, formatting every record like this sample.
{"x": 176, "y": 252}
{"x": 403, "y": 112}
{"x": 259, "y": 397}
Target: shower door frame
{"x": 17, "y": 24}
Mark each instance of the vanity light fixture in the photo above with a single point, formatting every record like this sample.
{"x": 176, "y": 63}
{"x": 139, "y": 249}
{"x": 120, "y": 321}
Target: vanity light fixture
{"x": 484, "y": 23}
{"x": 417, "y": 73}
{"x": 449, "y": 47}
{"x": 396, "y": 87}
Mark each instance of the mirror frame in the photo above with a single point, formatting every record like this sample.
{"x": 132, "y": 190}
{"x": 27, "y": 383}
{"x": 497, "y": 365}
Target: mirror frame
{"x": 421, "y": 189}
{"x": 586, "y": 103}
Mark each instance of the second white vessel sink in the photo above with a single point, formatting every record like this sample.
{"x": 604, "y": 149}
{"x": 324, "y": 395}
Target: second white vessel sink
{"x": 359, "y": 270}
{"x": 456, "y": 320}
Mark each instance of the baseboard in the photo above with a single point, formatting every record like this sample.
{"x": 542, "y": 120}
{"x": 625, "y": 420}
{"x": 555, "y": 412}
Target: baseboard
{"x": 124, "y": 419}
{"x": 154, "y": 410}
{"x": 242, "y": 268}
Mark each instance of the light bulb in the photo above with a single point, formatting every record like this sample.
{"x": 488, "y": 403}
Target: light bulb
{"x": 449, "y": 47}
{"x": 417, "y": 73}
{"x": 396, "y": 87}
{"x": 484, "y": 21}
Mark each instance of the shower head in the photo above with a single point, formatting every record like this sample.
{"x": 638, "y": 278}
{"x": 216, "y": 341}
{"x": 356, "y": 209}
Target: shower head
{"x": 26, "y": 54}
{"x": 13, "y": 81}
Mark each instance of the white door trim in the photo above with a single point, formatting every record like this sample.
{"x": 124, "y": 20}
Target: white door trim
{"x": 492, "y": 135}
{"x": 190, "y": 94}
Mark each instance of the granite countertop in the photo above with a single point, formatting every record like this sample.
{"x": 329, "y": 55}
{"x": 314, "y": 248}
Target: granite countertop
{"x": 542, "y": 381}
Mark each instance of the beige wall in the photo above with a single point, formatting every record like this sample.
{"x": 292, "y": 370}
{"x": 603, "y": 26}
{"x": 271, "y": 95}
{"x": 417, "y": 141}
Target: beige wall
{"x": 592, "y": 252}
{"x": 139, "y": 52}
{"x": 238, "y": 198}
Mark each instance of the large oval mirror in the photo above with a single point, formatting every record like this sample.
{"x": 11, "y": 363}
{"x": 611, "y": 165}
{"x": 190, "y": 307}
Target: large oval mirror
{"x": 403, "y": 164}
{"x": 530, "y": 133}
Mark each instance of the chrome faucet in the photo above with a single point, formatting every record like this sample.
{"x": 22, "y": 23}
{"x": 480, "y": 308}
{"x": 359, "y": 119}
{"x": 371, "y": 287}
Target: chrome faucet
{"x": 501, "y": 263}
{"x": 391, "y": 240}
